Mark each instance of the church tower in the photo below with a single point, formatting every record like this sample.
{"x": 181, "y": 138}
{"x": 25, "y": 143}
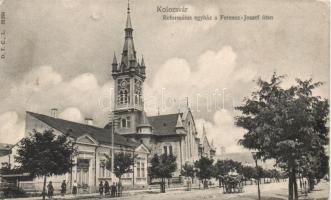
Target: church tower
{"x": 129, "y": 76}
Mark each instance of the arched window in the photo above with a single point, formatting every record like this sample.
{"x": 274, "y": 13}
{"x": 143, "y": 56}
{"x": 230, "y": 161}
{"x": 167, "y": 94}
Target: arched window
{"x": 123, "y": 123}
{"x": 136, "y": 100}
{"x": 125, "y": 96}
{"x": 121, "y": 97}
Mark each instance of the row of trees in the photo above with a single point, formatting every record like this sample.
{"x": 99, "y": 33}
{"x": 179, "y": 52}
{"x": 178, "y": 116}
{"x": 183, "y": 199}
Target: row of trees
{"x": 288, "y": 125}
{"x": 204, "y": 169}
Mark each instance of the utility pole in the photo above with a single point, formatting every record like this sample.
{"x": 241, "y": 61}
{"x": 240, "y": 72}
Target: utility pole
{"x": 223, "y": 96}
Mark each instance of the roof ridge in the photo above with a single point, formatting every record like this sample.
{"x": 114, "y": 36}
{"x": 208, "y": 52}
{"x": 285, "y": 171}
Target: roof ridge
{"x": 81, "y": 124}
{"x": 65, "y": 120}
{"x": 166, "y": 114}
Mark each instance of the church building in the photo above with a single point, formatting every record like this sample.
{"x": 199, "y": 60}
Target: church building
{"x": 134, "y": 131}
{"x": 172, "y": 133}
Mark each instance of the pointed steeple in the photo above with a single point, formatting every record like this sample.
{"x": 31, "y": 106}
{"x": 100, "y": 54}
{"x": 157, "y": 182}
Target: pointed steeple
{"x": 128, "y": 18}
{"x": 142, "y": 66}
{"x": 129, "y": 53}
{"x": 144, "y": 123}
{"x": 114, "y": 59}
{"x": 142, "y": 61}
{"x": 204, "y": 133}
{"x": 114, "y": 64}
{"x": 179, "y": 123}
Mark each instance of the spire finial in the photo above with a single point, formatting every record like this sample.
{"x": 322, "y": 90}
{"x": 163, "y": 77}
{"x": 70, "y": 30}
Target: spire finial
{"x": 142, "y": 61}
{"x": 128, "y": 20}
{"x": 114, "y": 59}
{"x": 128, "y": 6}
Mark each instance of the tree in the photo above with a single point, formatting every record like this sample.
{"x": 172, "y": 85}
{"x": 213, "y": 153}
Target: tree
{"x": 285, "y": 124}
{"x": 162, "y": 167}
{"x": 249, "y": 172}
{"x": 45, "y": 154}
{"x": 205, "y": 169}
{"x": 123, "y": 163}
{"x": 223, "y": 167}
{"x": 188, "y": 171}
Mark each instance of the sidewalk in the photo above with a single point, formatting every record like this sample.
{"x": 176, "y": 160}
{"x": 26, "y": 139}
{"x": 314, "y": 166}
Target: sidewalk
{"x": 125, "y": 194}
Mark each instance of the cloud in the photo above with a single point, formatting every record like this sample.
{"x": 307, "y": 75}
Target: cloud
{"x": 222, "y": 131}
{"x": 11, "y": 127}
{"x": 71, "y": 114}
{"x": 202, "y": 82}
{"x": 41, "y": 78}
{"x": 70, "y": 3}
{"x": 44, "y": 88}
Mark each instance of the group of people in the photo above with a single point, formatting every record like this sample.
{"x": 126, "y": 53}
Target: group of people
{"x": 50, "y": 189}
{"x": 114, "y": 190}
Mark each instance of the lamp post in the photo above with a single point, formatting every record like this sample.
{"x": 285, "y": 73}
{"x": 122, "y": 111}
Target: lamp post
{"x": 258, "y": 174}
{"x": 114, "y": 122}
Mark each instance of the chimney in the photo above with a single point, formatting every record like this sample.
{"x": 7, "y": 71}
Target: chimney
{"x": 89, "y": 121}
{"x": 54, "y": 112}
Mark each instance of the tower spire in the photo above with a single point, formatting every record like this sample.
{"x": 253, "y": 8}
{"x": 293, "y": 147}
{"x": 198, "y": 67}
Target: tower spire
{"x": 129, "y": 59}
{"x": 204, "y": 133}
{"x": 128, "y": 19}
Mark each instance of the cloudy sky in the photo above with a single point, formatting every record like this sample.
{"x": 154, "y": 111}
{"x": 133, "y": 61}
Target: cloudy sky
{"x": 59, "y": 53}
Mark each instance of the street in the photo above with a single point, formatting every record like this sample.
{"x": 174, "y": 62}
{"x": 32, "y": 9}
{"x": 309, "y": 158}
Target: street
{"x": 273, "y": 191}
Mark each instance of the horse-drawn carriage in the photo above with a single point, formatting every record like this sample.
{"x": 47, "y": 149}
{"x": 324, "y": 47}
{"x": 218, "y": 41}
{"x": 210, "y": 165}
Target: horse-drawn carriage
{"x": 232, "y": 183}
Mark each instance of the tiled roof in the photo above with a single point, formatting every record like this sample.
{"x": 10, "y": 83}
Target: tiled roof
{"x": 76, "y": 130}
{"x": 164, "y": 124}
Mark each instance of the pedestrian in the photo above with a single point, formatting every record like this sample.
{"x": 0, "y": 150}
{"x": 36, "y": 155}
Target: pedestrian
{"x": 101, "y": 188}
{"x": 74, "y": 188}
{"x": 119, "y": 189}
{"x": 113, "y": 190}
{"x": 63, "y": 188}
{"x": 107, "y": 188}
{"x": 50, "y": 190}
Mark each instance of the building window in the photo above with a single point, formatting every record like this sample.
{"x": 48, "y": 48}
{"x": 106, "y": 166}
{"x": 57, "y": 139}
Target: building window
{"x": 123, "y": 97}
{"x": 138, "y": 169}
{"x": 128, "y": 122}
{"x": 126, "y": 100}
{"x": 123, "y": 123}
{"x": 165, "y": 150}
{"x": 143, "y": 170}
{"x": 170, "y": 150}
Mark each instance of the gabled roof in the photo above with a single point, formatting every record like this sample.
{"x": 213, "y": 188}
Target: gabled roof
{"x": 164, "y": 124}
{"x": 103, "y": 136}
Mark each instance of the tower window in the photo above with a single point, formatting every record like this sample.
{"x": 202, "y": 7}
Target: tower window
{"x": 128, "y": 122}
{"x": 126, "y": 100}
{"x": 170, "y": 150}
{"x": 124, "y": 123}
{"x": 123, "y": 97}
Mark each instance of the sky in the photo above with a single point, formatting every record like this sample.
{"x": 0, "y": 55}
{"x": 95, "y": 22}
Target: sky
{"x": 59, "y": 54}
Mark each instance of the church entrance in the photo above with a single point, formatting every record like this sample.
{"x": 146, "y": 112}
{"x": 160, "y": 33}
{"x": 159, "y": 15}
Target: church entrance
{"x": 83, "y": 166}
